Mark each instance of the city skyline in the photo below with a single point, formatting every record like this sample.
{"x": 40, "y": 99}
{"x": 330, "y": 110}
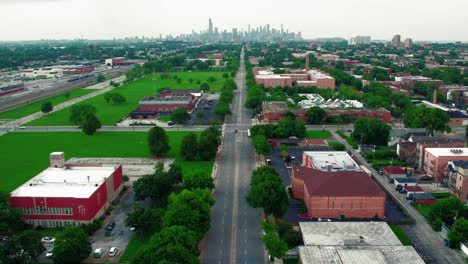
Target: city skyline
{"x": 104, "y": 19}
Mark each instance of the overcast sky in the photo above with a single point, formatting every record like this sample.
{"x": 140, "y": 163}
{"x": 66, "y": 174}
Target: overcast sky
{"x": 105, "y": 19}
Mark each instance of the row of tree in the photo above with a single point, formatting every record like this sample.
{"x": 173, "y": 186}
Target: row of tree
{"x": 288, "y": 127}
{"x": 222, "y": 109}
{"x": 204, "y": 148}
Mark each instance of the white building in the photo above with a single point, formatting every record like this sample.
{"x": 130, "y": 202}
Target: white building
{"x": 329, "y": 161}
{"x": 360, "y": 40}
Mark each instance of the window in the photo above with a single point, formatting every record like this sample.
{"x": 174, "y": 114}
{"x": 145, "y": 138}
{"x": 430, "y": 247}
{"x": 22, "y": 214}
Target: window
{"x": 333, "y": 205}
{"x": 341, "y": 205}
{"x": 352, "y": 205}
{"x": 360, "y": 205}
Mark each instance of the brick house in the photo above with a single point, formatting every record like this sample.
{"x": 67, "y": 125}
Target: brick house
{"x": 352, "y": 194}
{"x": 436, "y": 161}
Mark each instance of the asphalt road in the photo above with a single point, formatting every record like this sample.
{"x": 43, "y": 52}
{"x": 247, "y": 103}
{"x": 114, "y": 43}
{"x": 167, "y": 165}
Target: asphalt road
{"x": 425, "y": 240}
{"x": 235, "y": 234}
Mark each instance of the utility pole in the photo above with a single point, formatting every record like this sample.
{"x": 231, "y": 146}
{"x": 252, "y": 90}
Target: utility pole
{"x": 154, "y": 81}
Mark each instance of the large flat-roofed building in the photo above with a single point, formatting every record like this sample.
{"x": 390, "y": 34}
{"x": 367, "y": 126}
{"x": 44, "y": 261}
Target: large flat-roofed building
{"x": 437, "y": 159}
{"x": 329, "y": 161}
{"x": 166, "y": 103}
{"x": 66, "y": 194}
{"x": 328, "y": 194}
{"x": 269, "y": 79}
{"x": 353, "y": 243}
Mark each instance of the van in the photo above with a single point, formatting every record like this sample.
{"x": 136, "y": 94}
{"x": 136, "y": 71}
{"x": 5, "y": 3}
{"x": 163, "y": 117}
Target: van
{"x": 97, "y": 253}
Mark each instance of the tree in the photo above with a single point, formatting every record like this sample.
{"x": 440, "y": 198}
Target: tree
{"x": 275, "y": 246}
{"x": 180, "y": 116}
{"x": 100, "y": 78}
{"x": 267, "y": 192}
{"x": 446, "y": 210}
{"x": 210, "y": 142}
{"x": 147, "y": 220}
{"x": 79, "y": 112}
{"x": 158, "y": 141}
{"x": 222, "y": 109}
{"x": 90, "y": 124}
{"x": 114, "y": 98}
{"x": 157, "y": 186}
{"x": 71, "y": 246}
{"x": 11, "y": 219}
{"x": 199, "y": 179}
{"x": 371, "y": 131}
{"x": 225, "y": 75}
{"x": 174, "y": 174}
{"x": 200, "y": 115}
{"x": 261, "y": 145}
{"x": 46, "y": 107}
{"x": 204, "y": 87}
{"x": 459, "y": 232}
{"x": 315, "y": 115}
{"x": 432, "y": 119}
{"x": 189, "y": 146}
{"x": 211, "y": 79}
{"x": 30, "y": 241}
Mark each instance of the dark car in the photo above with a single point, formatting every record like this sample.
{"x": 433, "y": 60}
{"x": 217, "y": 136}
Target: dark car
{"x": 110, "y": 226}
{"x": 425, "y": 178}
{"x": 170, "y": 123}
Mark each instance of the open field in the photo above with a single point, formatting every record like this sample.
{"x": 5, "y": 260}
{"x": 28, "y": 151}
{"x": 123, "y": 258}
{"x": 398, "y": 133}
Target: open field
{"x": 318, "y": 134}
{"x": 32, "y": 108}
{"x": 24, "y": 155}
{"x": 134, "y": 91}
{"x": 401, "y": 235}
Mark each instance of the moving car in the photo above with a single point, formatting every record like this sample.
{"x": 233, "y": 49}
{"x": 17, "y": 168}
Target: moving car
{"x": 48, "y": 240}
{"x": 170, "y": 123}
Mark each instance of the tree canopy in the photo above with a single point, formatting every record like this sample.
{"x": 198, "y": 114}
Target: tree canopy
{"x": 371, "y": 131}
{"x": 198, "y": 180}
{"x": 432, "y": 119}
{"x": 180, "y": 116}
{"x": 91, "y": 124}
{"x": 46, "y": 107}
{"x": 189, "y": 146}
{"x": 261, "y": 145}
{"x": 158, "y": 141}
{"x": 71, "y": 246}
{"x": 315, "y": 115}
{"x": 79, "y": 112}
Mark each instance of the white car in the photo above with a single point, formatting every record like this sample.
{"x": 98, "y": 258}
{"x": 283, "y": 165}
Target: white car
{"x": 48, "y": 240}
{"x": 132, "y": 229}
{"x": 112, "y": 251}
{"x": 49, "y": 253}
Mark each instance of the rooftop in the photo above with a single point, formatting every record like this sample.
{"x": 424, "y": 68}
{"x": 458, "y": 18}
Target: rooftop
{"x": 364, "y": 255}
{"x": 332, "y": 161}
{"x": 415, "y": 188}
{"x": 274, "y": 106}
{"x": 344, "y": 183}
{"x": 348, "y": 233}
{"x": 405, "y": 180}
{"x": 423, "y": 196}
{"x": 393, "y": 169}
{"x": 72, "y": 182}
{"x": 448, "y": 152}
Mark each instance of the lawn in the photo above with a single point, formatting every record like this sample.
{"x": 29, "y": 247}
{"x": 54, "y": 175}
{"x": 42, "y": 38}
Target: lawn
{"x": 423, "y": 209}
{"x": 401, "y": 235}
{"x": 133, "y": 92}
{"x": 34, "y": 107}
{"x": 318, "y": 134}
{"x": 25, "y": 154}
{"x": 136, "y": 243}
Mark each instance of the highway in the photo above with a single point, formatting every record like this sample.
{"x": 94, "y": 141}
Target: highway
{"x": 235, "y": 234}
{"x": 58, "y": 87}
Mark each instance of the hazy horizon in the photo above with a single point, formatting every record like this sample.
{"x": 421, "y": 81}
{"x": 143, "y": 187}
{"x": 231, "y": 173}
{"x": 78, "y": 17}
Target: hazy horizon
{"x": 105, "y": 19}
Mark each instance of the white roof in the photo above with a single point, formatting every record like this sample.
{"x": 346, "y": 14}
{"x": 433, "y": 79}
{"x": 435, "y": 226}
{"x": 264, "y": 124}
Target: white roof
{"x": 332, "y": 161}
{"x": 448, "y": 152}
{"x": 272, "y": 76}
{"x": 359, "y": 255}
{"x": 348, "y": 233}
{"x": 69, "y": 182}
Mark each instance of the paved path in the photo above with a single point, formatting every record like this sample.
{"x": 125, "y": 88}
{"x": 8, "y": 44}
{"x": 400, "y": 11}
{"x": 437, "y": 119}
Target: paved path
{"x": 422, "y": 235}
{"x": 235, "y": 234}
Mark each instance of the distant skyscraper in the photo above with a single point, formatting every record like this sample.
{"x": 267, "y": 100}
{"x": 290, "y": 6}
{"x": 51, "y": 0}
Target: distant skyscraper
{"x": 408, "y": 43}
{"x": 396, "y": 41}
{"x": 360, "y": 40}
{"x": 210, "y": 27}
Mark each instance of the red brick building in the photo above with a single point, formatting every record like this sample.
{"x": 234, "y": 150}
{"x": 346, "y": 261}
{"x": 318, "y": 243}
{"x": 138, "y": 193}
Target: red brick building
{"x": 65, "y": 194}
{"x": 166, "y": 102}
{"x": 274, "y": 111}
{"x": 327, "y": 194}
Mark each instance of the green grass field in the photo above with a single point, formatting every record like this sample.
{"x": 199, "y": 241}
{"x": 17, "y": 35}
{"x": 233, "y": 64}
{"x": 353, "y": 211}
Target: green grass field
{"x": 401, "y": 235}
{"x": 136, "y": 243}
{"x": 318, "y": 134}
{"x": 133, "y": 92}
{"x": 34, "y": 107}
{"x": 24, "y": 155}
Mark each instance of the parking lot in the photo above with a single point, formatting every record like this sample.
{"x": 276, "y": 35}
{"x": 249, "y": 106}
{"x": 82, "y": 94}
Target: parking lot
{"x": 206, "y": 106}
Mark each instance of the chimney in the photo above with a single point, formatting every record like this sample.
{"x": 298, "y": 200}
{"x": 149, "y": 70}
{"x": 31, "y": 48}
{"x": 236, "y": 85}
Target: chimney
{"x": 434, "y": 100}
{"x": 307, "y": 62}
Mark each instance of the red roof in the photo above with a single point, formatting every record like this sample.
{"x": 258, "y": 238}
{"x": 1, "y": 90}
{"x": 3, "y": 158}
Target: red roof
{"x": 316, "y": 142}
{"x": 413, "y": 188}
{"x": 344, "y": 183}
{"x": 393, "y": 170}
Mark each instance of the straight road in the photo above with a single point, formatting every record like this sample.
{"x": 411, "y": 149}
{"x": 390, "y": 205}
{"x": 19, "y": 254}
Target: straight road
{"x": 423, "y": 235}
{"x": 235, "y": 234}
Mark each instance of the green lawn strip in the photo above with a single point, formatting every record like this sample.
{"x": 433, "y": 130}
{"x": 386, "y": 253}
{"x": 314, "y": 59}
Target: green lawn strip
{"x": 400, "y": 234}
{"x": 34, "y": 107}
{"x": 164, "y": 119}
{"x": 138, "y": 242}
{"x": 423, "y": 209}
{"x": 318, "y": 134}
{"x": 134, "y": 91}
{"x": 27, "y": 153}
{"x": 445, "y": 195}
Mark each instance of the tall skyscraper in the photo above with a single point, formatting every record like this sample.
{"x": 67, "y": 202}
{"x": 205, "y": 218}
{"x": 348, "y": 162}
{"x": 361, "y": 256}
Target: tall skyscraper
{"x": 359, "y": 40}
{"x": 396, "y": 40}
{"x": 408, "y": 43}
{"x": 210, "y": 27}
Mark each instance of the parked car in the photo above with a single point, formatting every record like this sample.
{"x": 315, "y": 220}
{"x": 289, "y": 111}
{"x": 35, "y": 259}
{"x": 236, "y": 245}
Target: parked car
{"x": 110, "y": 226}
{"x": 380, "y": 172}
{"x": 97, "y": 253}
{"x": 132, "y": 229}
{"x": 49, "y": 253}
{"x": 48, "y": 240}
{"x": 112, "y": 251}
{"x": 170, "y": 123}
